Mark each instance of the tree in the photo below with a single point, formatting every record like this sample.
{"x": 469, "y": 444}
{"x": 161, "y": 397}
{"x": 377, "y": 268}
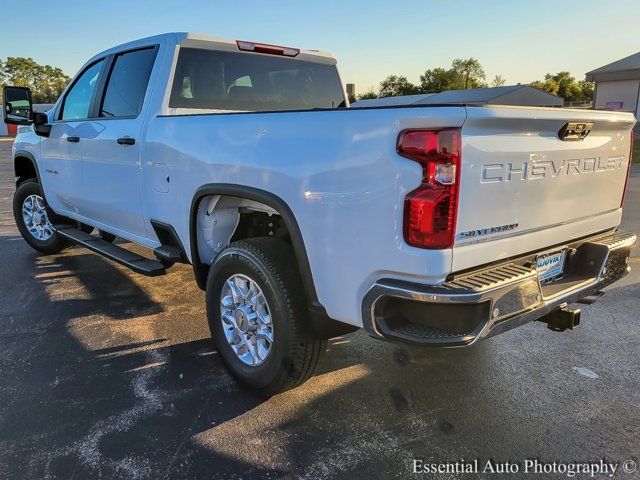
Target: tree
{"x": 438, "y": 80}
{"x": 46, "y": 82}
{"x": 367, "y": 95}
{"x": 498, "y": 81}
{"x": 394, "y": 86}
{"x": 471, "y": 72}
{"x": 587, "y": 89}
{"x": 566, "y": 87}
{"x": 462, "y": 75}
{"x": 547, "y": 85}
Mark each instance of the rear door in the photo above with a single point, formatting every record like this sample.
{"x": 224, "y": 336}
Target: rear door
{"x": 110, "y": 159}
{"x": 524, "y": 186}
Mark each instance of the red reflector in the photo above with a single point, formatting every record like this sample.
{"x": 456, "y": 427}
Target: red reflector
{"x": 430, "y": 209}
{"x": 624, "y": 192}
{"x": 266, "y": 48}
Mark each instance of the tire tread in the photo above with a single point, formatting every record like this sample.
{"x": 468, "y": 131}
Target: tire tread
{"x": 276, "y": 257}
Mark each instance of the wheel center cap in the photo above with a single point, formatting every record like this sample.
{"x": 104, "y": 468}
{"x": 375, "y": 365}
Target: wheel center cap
{"x": 37, "y": 218}
{"x": 241, "y": 320}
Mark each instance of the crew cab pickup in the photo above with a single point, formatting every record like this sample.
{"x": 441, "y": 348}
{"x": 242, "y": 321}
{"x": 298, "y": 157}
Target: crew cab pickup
{"x": 303, "y": 218}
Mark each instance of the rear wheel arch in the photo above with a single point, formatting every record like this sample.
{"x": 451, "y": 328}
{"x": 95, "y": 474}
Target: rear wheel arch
{"x": 320, "y": 322}
{"x": 266, "y": 198}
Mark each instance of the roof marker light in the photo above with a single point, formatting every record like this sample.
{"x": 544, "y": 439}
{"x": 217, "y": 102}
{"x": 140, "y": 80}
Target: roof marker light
{"x": 266, "y": 48}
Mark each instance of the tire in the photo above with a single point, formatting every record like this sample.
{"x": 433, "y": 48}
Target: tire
{"x": 106, "y": 236}
{"x": 294, "y": 351}
{"x": 53, "y": 243}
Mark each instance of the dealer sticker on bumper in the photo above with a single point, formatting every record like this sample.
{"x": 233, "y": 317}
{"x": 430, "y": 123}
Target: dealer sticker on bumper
{"x": 550, "y": 265}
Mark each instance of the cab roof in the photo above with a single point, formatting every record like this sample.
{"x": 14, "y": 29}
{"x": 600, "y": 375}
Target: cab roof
{"x": 199, "y": 40}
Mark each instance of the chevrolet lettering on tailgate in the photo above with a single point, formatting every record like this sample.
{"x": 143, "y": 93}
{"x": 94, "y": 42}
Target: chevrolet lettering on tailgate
{"x": 538, "y": 168}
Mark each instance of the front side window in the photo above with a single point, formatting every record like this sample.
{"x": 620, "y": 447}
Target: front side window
{"x": 127, "y": 83}
{"x": 78, "y": 100}
{"x": 217, "y": 80}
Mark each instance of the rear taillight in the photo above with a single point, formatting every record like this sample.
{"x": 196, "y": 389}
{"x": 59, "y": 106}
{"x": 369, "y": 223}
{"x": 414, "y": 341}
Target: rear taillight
{"x": 624, "y": 192}
{"x": 430, "y": 209}
{"x": 266, "y": 48}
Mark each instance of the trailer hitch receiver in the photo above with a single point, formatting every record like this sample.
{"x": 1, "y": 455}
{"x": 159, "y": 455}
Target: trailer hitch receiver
{"x": 562, "y": 318}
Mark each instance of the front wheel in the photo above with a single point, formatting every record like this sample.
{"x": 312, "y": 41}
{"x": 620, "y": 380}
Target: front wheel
{"x": 33, "y": 219}
{"x": 256, "y": 310}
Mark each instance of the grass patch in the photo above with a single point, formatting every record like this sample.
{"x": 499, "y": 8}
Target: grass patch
{"x": 636, "y": 151}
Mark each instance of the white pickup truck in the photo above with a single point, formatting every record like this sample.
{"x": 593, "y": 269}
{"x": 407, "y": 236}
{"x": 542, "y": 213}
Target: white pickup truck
{"x": 303, "y": 218}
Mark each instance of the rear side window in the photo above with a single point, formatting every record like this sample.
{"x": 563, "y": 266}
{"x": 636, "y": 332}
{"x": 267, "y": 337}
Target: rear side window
{"x": 127, "y": 83}
{"x": 208, "y": 79}
{"x": 78, "y": 99}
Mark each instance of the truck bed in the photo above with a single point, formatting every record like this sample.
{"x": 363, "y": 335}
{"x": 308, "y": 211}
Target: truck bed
{"x": 339, "y": 172}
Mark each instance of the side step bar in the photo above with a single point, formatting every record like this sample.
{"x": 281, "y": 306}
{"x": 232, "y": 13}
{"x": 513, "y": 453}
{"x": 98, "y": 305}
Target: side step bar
{"x": 135, "y": 262}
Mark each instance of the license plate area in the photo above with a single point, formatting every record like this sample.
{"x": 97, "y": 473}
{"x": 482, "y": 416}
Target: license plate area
{"x": 550, "y": 265}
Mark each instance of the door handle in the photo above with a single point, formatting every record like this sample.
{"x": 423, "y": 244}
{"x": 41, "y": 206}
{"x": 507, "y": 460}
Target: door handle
{"x": 73, "y": 139}
{"x": 126, "y": 141}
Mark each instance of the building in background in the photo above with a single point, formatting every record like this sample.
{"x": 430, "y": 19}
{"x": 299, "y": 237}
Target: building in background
{"x": 509, "y": 95}
{"x": 351, "y": 90}
{"x": 618, "y": 85}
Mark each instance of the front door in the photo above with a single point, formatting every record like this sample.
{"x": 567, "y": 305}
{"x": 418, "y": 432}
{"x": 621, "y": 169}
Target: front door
{"x": 111, "y": 158}
{"x": 61, "y": 152}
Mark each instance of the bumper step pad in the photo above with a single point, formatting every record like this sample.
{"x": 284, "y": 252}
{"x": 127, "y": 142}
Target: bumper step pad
{"x": 491, "y": 300}
{"x": 490, "y": 278}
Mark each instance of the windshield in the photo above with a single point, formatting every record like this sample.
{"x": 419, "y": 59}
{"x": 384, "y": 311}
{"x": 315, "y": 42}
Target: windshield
{"x": 216, "y": 80}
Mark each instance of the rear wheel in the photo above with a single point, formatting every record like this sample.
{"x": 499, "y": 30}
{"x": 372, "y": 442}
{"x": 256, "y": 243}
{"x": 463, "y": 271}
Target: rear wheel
{"x": 256, "y": 310}
{"x": 33, "y": 219}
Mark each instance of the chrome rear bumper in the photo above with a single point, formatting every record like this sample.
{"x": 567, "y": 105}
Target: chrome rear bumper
{"x": 491, "y": 300}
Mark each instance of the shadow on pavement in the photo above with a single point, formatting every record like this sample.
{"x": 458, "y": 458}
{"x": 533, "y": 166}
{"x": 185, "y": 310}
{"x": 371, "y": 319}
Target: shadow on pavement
{"x": 97, "y": 384}
{"x": 124, "y": 411}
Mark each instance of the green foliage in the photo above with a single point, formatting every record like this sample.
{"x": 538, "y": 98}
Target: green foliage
{"x": 368, "y": 95}
{"x": 587, "y": 90}
{"x": 394, "y": 86}
{"x": 470, "y": 71}
{"x": 546, "y": 85}
{"x": 438, "y": 80}
{"x": 565, "y": 86}
{"x": 498, "y": 81}
{"x": 46, "y": 82}
{"x": 463, "y": 74}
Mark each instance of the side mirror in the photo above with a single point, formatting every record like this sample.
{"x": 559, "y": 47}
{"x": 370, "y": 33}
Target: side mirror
{"x": 17, "y": 108}
{"x": 40, "y": 124}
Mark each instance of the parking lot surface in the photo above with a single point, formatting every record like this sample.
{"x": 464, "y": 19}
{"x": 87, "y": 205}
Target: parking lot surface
{"x": 108, "y": 374}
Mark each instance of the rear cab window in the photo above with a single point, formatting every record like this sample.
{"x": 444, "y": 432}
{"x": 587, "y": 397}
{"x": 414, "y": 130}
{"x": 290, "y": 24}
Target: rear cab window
{"x": 127, "y": 83}
{"x": 230, "y": 81}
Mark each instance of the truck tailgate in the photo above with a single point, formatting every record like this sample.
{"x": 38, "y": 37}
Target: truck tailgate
{"x": 522, "y": 188}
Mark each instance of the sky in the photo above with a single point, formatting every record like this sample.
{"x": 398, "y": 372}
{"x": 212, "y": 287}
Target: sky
{"x": 520, "y": 40}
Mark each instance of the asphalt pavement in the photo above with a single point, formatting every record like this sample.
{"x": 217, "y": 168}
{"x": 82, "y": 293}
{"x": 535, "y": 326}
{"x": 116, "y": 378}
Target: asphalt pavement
{"x": 105, "y": 373}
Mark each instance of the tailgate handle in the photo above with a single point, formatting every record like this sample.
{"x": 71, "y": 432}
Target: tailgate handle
{"x": 575, "y": 130}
